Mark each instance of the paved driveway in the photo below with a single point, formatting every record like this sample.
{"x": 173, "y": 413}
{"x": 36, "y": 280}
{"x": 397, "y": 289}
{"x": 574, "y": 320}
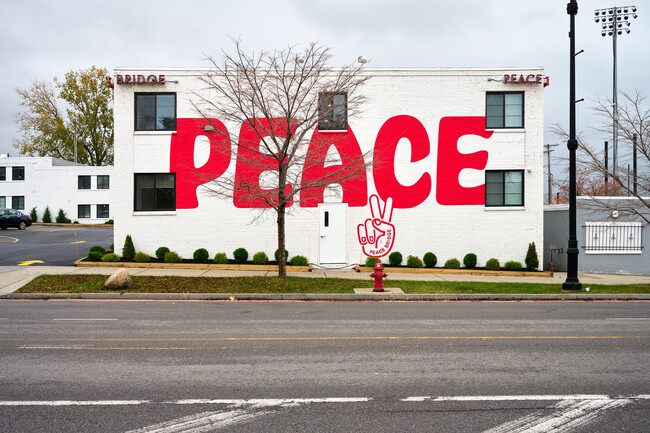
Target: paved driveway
{"x": 50, "y": 244}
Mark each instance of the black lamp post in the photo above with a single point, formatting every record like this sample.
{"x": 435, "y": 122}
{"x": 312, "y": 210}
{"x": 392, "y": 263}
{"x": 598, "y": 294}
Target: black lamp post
{"x": 572, "y": 282}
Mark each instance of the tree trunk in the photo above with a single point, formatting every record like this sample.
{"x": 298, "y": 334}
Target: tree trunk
{"x": 282, "y": 260}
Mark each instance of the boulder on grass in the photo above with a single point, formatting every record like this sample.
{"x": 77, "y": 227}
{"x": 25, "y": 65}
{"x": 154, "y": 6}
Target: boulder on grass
{"x": 119, "y": 280}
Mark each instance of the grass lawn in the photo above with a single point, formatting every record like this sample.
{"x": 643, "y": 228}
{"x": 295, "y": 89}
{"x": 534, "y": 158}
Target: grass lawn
{"x": 171, "y": 284}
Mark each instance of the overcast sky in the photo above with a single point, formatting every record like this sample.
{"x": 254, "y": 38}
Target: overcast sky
{"x": 41, "y": 39}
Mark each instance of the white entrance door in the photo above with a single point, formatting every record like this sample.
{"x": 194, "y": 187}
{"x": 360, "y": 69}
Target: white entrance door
{"x": 332, "y": 246}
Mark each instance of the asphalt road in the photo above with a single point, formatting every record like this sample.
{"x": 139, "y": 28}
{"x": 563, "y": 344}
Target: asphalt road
{"x": 53, "y": 245}
{"x": 72, "y": 366}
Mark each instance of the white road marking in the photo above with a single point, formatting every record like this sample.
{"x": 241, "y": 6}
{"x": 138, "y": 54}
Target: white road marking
{"x": 509, "y": 397}
{"x": 89, "y": 320}
{"x": 75, "y": 403}
{"x": 273, "y": 402}
{"x": 201, "y": 422}
{"x": 568, "y": 415}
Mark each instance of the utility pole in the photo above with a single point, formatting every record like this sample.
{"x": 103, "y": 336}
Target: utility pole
{"x": 548, "y": 151}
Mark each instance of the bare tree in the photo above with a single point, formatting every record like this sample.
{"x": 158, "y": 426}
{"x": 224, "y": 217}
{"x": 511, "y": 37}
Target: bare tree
{"x": 282, "y": 101}
{"x": 634, "y": 143}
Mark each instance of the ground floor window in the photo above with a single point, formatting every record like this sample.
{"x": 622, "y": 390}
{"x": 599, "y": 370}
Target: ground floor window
{"x": 83, "y": 211}
{"x": 18, "y": 202}
{"x": 102, "y": 211}
{"x": 155, "y": 192}
{"x": 504, "y": 188}
{"x": 613, "y": 237}
{"x": 3, "y": 201}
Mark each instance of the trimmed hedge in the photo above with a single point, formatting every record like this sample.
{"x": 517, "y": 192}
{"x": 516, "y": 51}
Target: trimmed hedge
{"x": 299, "y": 261}
{"x": 160, "y": 252}
{"x": 371, "y": 262}
{"x": 220, "y": 259}
{"x": 430, "y": 260}
{"x": 128, "y": 252}
{"x": 201, "y": 255}
{"x": 452, "y": 264}
{"x": 532, "y": 262}
{"x": 413, "y": 262}
{"x": 513, "y": 265}
{"x": 240, "y": 255}
{"x": 492, "y": 265}
{"x": 277, "y": 255}
{"x": 172, "y": 257}
{"x": 260, "y": 258}
{"x": 111, "y": 257}
{"x": 94, "y": 256}
{"x": 141, "y": 257}
{"x": 98, "y": 248}
{"x": 470, "y": 260}
{"x": 395, "y": 258}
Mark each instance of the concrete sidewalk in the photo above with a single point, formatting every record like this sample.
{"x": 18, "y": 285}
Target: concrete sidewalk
{"x": 14, "y": 277}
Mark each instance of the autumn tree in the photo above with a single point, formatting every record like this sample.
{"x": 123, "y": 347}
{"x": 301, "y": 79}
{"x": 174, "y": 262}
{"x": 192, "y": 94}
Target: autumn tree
{"x": 50, "y": 112}
{"x": 633, "y": 122}
{"x": 280, "y": 102}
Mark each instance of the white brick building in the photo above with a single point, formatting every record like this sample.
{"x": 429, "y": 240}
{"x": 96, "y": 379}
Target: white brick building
{"x": 449, "y": 131}
{"x": 83, "y": 192}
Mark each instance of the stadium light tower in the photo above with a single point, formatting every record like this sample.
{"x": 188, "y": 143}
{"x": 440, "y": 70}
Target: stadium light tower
{"x": 614, "y": 22}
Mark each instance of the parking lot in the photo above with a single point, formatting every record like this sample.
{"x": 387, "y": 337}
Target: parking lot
{"x": 53, "y": 245}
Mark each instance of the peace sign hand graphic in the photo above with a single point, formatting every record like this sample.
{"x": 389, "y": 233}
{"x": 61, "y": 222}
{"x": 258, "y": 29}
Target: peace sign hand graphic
{"x": 377, "y": 234}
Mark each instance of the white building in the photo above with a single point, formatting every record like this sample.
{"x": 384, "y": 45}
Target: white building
{"x": 465, "y": 172}
{"x": 83, "y": 192}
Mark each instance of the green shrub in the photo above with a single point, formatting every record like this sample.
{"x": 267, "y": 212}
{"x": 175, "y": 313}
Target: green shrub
{"x": 513, "y": 266}
{"x": 492, "y": 265}
{"x": 141, "y": 257}
{"x": 299, "y": 261}
{"x": 110, "y": 257}
{"x": 395, "y": 258}
{"x": 470, "y": 260}
{"x": 61, "y": 218}
{"x": 201, "y": 255}
{"x": 160, "y": 252}
{"x": 33, "y": 215}
{"x": 172, "y": 257}
{"x": 220, "y": 259}
{"x": 112, "y": 248}
{"x": 532, "y": 262}
{"x": 452, "y": 264}
{"x": 109, "y": 222}
{"x": 68, "y": 221}
{"x": 260, "y": 258}
{"x": 430, "y": 260}
{"x": 94, "y": 256}
{"x": 98, "y": 248}
{"x": 371, "y": 262}
{"x": 128, "y": 252}
{"x": 413, "y": 262}
{"x": 47, "y": 216}
{"x": 277, "y": 255}
{"x": 240, "y": 255}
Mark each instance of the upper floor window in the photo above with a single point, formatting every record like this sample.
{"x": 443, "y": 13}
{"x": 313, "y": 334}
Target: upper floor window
{"x": 155, "y": 192}
{"x": 18, "y": 173}
{"x": 504, "y": 188}
{"x": 333, "y": 112}
{"x": 155, "y": 111}
{"x": 83, "y": 182}
{"x": 103, "y": 182}
{"x": 3, "y": 173}
{"x": 504, "y": 110}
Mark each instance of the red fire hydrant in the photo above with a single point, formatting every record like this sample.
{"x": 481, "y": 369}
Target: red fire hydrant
{"x": 379, "y": 275}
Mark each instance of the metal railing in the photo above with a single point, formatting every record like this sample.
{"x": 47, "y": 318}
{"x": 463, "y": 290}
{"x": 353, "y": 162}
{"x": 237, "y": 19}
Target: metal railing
{"x": 613, "y": 237}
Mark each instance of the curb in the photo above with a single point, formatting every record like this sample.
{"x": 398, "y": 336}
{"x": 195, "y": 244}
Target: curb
{"x": 325, "y": 297}
{"x": 480, "y": 272}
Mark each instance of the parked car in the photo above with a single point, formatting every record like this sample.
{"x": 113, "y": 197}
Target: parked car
{"x": 14, "y": 218}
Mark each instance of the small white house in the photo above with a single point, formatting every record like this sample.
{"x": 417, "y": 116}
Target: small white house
{"x": 464, "y": 170}
{"x": 83, "y": 192}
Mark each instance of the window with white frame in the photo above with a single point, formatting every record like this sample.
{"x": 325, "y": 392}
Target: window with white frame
{"x": 102, "y": 211}
{"x": 3, "y": 173}
{"x": 3, "y": 202}
{"x": 83, "y": 211}
{"x": 613, "y": 237}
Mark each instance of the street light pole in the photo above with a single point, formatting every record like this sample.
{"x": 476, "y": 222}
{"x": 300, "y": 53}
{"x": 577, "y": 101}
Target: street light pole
{"x": 615, "y": 21}
{"x": 572, "y": 283}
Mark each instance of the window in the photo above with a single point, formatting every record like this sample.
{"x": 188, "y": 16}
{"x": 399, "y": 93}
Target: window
{"x": 3, "y": 173}
{"x": 84, "y": 182}
{"x": 103, "y": 182}
{"x": 18, "y": 173}
{"x": 102, "y": 211}
{"x": 18, "y": 202}
{"x": 504, "y": 188}
{"x": 83, "y": 211}
{"x": 613, "y": 237}
{"x": 155, "y": 192}
{"x": 155, "y": 111}
{"x": 333, "y": 111}
{"x": 3, "y": 202}
{"x": 504, "y": 110}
